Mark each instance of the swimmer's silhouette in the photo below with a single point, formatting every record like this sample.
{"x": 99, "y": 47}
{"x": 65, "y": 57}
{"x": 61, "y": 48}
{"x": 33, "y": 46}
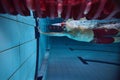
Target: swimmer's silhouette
{"x": 98, "y": 31}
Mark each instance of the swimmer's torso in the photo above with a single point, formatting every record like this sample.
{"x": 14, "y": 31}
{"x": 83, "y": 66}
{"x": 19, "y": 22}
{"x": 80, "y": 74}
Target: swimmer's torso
{"x": 81, "y": 35}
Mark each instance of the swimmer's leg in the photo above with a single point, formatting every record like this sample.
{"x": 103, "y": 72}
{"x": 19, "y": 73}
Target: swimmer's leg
{"x": 106, "y": 32}
{"x": 106, "y": 40}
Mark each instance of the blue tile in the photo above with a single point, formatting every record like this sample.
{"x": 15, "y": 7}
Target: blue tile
{"x": 9, "y": 62}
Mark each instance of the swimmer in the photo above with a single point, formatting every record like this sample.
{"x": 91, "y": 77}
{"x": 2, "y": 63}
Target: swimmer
{"x": 89, "y": 31}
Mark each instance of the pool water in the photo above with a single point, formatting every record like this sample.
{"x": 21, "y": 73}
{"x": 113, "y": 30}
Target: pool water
{"x": 73, "y": 60}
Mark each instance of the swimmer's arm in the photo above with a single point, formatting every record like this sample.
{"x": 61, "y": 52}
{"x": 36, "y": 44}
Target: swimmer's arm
{"x": 53, "y": 33}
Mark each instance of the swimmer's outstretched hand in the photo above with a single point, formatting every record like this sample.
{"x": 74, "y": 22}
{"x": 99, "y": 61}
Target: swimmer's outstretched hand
{"x": 39, "y": 30}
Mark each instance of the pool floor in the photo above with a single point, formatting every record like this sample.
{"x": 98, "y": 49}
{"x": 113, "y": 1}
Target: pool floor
{"x": 65, "y": 64}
